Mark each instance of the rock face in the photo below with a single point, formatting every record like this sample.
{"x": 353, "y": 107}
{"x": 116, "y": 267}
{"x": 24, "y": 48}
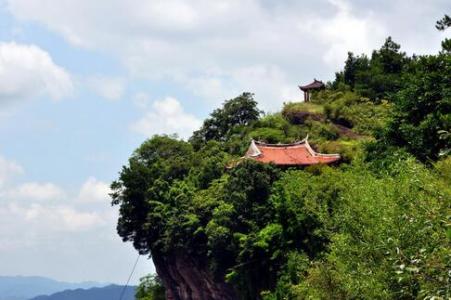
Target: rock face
{"x": 185, "y": 279}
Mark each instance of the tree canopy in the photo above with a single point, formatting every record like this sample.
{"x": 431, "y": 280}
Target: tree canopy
{"x": 224, "y": 122}
{"x": 423, "y": 108}
{"x": 377, "y": 77}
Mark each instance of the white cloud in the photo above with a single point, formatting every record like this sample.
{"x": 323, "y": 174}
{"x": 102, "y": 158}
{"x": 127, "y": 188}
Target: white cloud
{"x": 181, "y": 41}
{"x": 166, "y": 117}
{"x": 269, "y": 82}
{"x": 50, "y": 240}
{"x": 110, "y": 88}
{"x": 44, "y": 215}
{"x": 47, "y": 218}
{"x": 81, "y": 227}
{"x": 346, "y": 32}
{"x": 28, "y": 71}
{"x": 36, "y": 191}
{"x": 291, "y": 42}
{"x": 93, "y": 191}
{"x": 8, "y": 169}
{"x": 29, "y": 190}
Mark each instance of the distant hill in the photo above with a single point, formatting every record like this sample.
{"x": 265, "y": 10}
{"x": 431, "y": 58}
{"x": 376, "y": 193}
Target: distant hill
{"x": 110, "y": 292}
{"x": 26, "y": 287}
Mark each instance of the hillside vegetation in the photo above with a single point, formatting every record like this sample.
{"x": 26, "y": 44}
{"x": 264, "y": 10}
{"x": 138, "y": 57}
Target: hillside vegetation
{"x": 375, "y": 227}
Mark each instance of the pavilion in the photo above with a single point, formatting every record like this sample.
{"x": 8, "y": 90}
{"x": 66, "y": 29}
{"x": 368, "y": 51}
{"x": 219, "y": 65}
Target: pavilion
{"x": 295, "y": 154}
{"x": 315, "y": 85}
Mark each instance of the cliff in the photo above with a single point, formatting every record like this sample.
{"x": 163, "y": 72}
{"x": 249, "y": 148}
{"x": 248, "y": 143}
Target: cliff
{"x": 185, "y": 279}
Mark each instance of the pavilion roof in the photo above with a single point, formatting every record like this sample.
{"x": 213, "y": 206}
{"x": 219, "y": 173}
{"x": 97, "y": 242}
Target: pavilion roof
{"x": 295, "y": 154}
{"x": 316, "y": 84}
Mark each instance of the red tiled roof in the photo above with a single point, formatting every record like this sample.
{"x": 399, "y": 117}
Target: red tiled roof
{"x": 316, "y": 84}
{"x": 297, "y": 154}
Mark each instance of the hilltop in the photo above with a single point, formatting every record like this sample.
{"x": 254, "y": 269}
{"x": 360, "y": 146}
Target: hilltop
{"x": 375, "y": 226}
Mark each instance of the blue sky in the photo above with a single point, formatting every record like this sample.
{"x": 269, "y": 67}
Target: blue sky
{"x": 83, "y": 83}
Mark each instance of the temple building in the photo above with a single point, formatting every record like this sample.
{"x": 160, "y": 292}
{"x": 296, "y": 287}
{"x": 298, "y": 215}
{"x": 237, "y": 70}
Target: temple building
{"x": 315, "y": 85}
{"x": 295, "y": 154}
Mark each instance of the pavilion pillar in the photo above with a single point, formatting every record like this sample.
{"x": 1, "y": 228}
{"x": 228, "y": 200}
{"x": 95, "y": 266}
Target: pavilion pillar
{"x": 306, "y": 96}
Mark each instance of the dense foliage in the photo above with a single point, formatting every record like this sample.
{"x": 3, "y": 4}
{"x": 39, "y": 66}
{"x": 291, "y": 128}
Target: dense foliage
{"x": 389, "y": 234}
{"x": 423, "y": 108}
{"x": 375, "y": 227}
{"x": 224, "y": 122}
{"x": 377, "y": 77}
{"x": 150, "y": 288}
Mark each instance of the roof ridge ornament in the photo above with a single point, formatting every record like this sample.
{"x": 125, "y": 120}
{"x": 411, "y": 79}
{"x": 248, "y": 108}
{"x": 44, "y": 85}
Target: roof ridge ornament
{"x": 253, "y": 150}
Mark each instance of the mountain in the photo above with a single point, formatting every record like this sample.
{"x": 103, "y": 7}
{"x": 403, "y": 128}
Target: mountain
{"x": 25, "y": 287}
{"x": 103, "y": 293}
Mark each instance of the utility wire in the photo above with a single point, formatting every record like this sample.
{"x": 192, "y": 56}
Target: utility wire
{"x": 129, "y": 277}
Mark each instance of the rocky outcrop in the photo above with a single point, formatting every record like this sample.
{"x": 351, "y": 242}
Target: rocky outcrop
{"x": 185, "y": 279}
{"x": 299, "y": 117}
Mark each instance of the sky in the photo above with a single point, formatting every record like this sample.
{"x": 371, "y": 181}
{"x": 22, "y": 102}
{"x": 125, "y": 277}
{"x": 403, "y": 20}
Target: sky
{"x": 83, "y": 83}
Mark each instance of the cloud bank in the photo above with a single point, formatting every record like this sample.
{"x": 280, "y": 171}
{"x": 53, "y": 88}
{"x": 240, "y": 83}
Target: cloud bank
{"x": 219, "y": 49}
{"x": 27, "y": 71}
{"x": 216, "y": 49}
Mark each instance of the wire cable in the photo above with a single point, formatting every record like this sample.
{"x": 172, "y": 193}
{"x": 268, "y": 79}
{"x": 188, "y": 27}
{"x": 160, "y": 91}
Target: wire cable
{"x": 129, "y": 277}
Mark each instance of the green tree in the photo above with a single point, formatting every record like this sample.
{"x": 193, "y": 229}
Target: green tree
{"x": 241, "y": 238}
{"x": 377, "y": 77}
{"x": 150, "y": 288}
{"x": 387, "y": 233}
{"x": 224, "y": 122}
{"x": 423, "y": 108}
{"x": 390, "y": 59}
{"x": 383, "y": 77}
{"x": 443, "y": 23}
{"x": 355, "y": 66}
{"x": 144, "y": 187}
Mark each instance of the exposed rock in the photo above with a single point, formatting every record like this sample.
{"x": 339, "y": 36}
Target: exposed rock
{"x": 345, "y": 131}
{"x": 185, "y": 279}
{"x": 299, "y": 117}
